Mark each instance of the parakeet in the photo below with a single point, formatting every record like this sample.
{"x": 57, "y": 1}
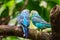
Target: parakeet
{"x": 38, "y": 21}
{"x": 24, "y": 21}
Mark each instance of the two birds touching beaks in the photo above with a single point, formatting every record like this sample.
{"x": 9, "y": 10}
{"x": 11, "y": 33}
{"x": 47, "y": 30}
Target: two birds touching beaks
{"x": 24, "y": 18}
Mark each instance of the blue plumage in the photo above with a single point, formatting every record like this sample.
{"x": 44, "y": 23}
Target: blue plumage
{"x": 38, "y": 21}
{"x": 23, "y": 19}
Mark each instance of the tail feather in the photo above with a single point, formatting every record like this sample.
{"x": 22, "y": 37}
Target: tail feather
{"x": 48, "y": 25}
{"x": 25, "y": 30}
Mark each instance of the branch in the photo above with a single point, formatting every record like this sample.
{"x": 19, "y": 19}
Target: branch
{"x": 24, "y": 6}
{"x": 6, "y": 30}
{"x": 55, "y": 22}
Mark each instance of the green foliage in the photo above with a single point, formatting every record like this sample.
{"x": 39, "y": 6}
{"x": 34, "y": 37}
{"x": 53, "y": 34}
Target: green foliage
{"x": 12, "y": 8}
{"x": 14, "y": 38}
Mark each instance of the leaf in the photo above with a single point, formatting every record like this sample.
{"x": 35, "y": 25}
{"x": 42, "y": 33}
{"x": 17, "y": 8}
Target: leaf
{"x": 11, "y": 5}
{"x": 12, "y": 22}
{"x": 11, "y": 38}
{"x": 47, "y": 30}
{"x": 2, "y": 8}
{"x": 18, "y": 1}
{"x": 56, "y": 1}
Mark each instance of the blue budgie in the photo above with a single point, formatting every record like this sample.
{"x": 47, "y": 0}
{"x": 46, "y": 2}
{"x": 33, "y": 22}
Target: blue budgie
{"x": 24, "y": 21}
{"x": 38, "y": 21}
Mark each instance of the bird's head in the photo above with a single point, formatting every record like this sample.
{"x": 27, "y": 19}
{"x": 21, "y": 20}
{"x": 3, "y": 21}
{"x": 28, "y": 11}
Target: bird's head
{"x": 34, "y": 13}
{"x": 25, "y": 11}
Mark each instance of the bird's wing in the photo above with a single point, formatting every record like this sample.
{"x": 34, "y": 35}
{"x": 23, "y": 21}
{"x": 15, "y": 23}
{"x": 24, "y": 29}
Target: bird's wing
{"x": 38, "y": 19}
{"x": 26, "y": 21}
{"x": 20, "y": 19}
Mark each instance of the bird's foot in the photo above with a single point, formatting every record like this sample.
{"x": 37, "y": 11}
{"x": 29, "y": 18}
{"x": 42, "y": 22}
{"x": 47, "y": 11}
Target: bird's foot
{"x": 24, "y": 35}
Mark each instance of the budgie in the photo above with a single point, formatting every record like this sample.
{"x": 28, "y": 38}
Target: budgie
{"x": 38, "y": 21}
{"x": 24, "y": 21}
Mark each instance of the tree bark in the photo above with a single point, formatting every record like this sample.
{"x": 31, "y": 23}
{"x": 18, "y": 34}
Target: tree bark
{"x": 55, "y": 22}
{"x": 6, "y": 30}
{"x": 24, "y": 6}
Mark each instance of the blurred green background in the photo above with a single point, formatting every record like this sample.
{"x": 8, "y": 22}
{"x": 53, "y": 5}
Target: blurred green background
{"x": 11, "y": 8}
